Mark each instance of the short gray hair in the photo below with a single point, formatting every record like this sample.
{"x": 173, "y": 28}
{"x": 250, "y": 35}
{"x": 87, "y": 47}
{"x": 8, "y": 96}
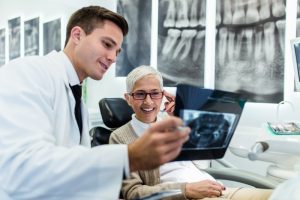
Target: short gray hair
{"x": 139, "y": 73}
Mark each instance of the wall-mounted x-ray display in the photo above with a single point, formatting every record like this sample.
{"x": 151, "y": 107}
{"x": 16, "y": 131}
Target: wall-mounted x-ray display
{"x": 14, "y": 38}
{"x": 31, "y": 37}
{"x": 136, "y": 45}
{"x": 250, "y": 48}
{"x": 2, "y": 47}
{"x": 181, "y": 41}
{"x": 52, "y": 36}
{"x": 298, "y": 19}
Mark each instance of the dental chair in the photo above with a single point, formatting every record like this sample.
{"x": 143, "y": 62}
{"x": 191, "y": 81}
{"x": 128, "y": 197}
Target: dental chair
{"x": 229, "y": 173}
{"x": 115, "y": 112}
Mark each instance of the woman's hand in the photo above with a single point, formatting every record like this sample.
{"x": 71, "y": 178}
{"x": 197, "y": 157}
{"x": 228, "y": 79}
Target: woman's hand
{"x": 170, "y": 103}
{"x": 203, "y": 189}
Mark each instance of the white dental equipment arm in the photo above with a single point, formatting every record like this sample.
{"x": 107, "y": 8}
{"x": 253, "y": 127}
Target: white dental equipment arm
{"x": 256, "y": 149}
{"x": 285, "y": 154}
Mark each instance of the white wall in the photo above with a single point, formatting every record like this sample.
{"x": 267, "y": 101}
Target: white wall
{"x": 111, "y": 86}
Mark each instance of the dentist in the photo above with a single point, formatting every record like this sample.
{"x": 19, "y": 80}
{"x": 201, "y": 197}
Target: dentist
{"x": 44, "y": 148}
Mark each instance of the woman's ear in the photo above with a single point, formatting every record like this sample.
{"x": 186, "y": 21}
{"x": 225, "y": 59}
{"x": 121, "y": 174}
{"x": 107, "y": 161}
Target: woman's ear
{"x": 126, "y": 96}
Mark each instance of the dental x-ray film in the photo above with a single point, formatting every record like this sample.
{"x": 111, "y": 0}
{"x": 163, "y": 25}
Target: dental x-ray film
{"x": 212, "y": 115}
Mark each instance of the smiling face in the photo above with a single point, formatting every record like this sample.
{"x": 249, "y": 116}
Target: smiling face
{"x": 146, "y": 110}
{"x": 92, "y": 54}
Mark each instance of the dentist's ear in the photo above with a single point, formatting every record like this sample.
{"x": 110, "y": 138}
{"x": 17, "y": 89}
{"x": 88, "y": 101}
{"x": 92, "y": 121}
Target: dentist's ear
{"x": 76, "y": 33}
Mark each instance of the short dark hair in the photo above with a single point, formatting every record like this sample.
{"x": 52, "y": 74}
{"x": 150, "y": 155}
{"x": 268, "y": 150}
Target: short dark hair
{"x": 89, "y": 18}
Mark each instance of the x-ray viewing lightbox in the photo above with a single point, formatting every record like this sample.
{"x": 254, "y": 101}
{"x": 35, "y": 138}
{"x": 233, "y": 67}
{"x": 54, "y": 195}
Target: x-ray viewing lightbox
{"x": 212, "y": 115}
{"x": 295, "y": 44}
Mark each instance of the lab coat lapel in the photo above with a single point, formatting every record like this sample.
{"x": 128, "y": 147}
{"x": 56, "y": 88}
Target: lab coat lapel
{"x": 85, "y": 139}
{"x": 75, "y": 133}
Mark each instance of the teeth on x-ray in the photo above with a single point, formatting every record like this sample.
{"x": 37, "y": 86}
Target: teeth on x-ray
{"x": 264, "y": 12}
{"x": 181, "y": 39}
{"x": 227, "y": 18}
{"x": 184, "y": 44}
{"x": 239, "y": 15}
{"x": 280, "y": 25}
{"x": 182, "y": 14}
{"x": 230, "y": 44}
{"x": 278, "y": 8}
{"x": 269, "y": 29}
{"x": 194, "y": 13}
{"x": 233, "y": 41}
{"x": 173, "y": 35}
{"x": 252, "y": 15}
{"x": 249, "y": 37}
{"x": 258, "y": 45}
{"x": 202, "y": 16}
{"x": 238, "y": 43}
{"x": 250, "y": 34}
{"x": 171, "y": 15}
{"x": 222, "y": 45}
{"x": 198, "y": 44}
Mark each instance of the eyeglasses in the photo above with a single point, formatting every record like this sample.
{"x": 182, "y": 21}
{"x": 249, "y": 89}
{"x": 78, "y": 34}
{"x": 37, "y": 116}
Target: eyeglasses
{"x": 143, "y": 95}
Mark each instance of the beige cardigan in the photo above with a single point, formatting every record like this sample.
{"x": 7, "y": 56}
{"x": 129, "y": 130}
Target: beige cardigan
{"x": 141, "y": 183}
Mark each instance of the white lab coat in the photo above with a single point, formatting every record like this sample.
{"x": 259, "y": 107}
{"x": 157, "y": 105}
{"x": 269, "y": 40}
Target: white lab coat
{"x": 40, "y": 155}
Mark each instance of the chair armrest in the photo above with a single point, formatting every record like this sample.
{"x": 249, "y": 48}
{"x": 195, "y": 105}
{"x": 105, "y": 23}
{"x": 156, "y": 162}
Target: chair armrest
{"x": 242, "y": 176}
{"x": 100, "y": 135}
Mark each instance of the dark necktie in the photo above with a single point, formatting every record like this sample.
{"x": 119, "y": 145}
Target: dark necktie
{"x": 76, "y": 89}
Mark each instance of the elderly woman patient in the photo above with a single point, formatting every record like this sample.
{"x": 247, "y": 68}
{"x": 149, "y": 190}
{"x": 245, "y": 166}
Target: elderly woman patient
{"x": 144, "y": 94}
